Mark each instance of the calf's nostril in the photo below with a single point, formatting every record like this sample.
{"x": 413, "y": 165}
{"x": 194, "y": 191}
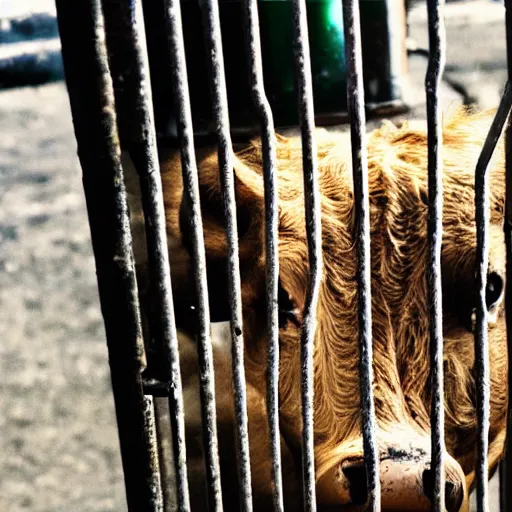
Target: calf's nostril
{"x": 453, "y": 491}
{"x": 355, "y": 473}
{"x": 453, "y": 496}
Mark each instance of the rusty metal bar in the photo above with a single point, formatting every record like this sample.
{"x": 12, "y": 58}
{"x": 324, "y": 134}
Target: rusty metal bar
{"x": 195, "y": 223}
{"x": 433, "y": 77}
{"x": 268, "y": 140}
{"x": 314, "y": 236}
{"x": 355, "y": 94}
{"x": 150, "y": 426}
{"x": 126, "y": 41}
{"x": 482, "y": 212}
{"x": 165, "y": 453}
{"x": 93, "y": 110}
{"x": 506, "y": 464}
{"x": 211, "y": 26}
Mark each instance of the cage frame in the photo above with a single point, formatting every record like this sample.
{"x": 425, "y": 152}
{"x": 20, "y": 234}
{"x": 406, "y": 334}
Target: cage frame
{"x": 89, "y": 72}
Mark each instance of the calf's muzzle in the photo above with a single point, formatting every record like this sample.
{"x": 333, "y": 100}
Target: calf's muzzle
{"x": 407, "y": 481}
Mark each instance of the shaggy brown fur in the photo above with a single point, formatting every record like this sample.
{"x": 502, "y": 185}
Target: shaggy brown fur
{"x": 398, "y": 196}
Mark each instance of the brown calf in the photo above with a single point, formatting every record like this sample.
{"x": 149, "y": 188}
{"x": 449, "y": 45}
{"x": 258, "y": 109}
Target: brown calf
{"x": 398, "y": 197}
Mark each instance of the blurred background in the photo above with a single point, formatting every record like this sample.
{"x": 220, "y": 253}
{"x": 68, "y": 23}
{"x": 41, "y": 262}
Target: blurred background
{"x": 58, "y": 444}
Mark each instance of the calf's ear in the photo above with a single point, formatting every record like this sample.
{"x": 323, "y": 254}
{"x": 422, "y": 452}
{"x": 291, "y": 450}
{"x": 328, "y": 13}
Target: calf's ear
{"x": 249, "y": 200}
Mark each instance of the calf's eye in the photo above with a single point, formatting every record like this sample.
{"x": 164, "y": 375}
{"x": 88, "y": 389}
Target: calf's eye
{"x": 288, "y": 311}
{"x": 494, "y": 290}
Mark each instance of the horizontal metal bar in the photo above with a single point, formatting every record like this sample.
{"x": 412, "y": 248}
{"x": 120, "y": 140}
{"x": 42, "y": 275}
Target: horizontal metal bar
{"x": 155, "y": 387}
{"x": 482, "y": 213}
{"x": 435, "y": 232}
{"x": 93, "y": 110}
{"x": 355, "y": 101}
{"x": 314, "y": 237}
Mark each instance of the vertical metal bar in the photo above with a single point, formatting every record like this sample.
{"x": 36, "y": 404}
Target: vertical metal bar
{"x": 506, "y": 465}
{"x": 503, "y": 475}
{"x": 191, "y": 198}
{"x": 314, "y": 236}
{"x": 482, "y": 212}
{"x": 435, "y": 232}
{"x": 252, "y": 31}
{"x": 211, "y": 25}
{"x": 165, "y": 454}
{"x": 396, "y": 21}
{"x": 126, "y": 41}
{"x": 94, "y": 118}
{"x": 355, "y": 94}
{"x": 150, "y": 427}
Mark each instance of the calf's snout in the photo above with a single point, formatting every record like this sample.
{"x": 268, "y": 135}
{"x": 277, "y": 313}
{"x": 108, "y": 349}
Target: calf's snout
{"x": 407, "y": 483}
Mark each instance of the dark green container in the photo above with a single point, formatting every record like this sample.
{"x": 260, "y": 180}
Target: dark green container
{"x": 383, "y": 34}
{"x": 327, "y": 49}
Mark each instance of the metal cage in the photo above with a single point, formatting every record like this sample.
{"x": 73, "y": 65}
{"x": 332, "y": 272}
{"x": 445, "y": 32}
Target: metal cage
{"x": 86, "y": 28}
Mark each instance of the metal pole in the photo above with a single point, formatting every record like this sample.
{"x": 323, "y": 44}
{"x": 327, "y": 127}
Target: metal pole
{"x": 126, "y": 40}
{"x": 94, "y": 118}
{"x": 355, "y": 101}
{"x": 482, "y": 259}
{"x": 435, "y": 233}
{"x": 506, "y": 464}
{"x": 211, "y": 25}
{"x": 314, "y": 237}
{"x": 252, "y": 31}
{"x": 192, "y": 201}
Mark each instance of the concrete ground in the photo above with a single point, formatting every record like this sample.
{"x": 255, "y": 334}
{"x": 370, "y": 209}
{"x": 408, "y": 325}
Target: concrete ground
{"x": 59, "y": 445}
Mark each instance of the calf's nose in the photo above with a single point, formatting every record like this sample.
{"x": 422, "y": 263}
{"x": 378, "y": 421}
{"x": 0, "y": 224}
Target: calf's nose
{"x": 406, "y": 484}
{"x": 453, "y": 489}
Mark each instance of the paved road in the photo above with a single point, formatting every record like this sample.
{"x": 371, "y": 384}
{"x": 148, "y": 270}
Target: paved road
{"x": 59, "y": 441}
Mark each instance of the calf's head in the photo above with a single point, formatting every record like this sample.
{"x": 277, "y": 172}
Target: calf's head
{"x": 398, "y": 203}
